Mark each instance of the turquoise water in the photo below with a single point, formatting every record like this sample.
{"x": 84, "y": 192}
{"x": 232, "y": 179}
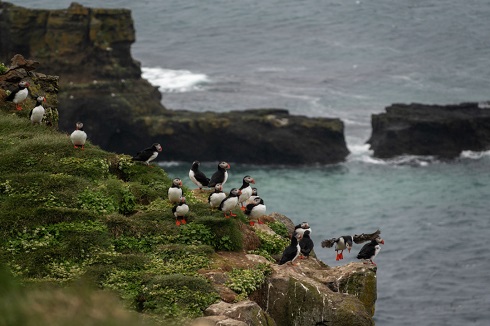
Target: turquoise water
{"x": 433, "y": 216}
{"x": 346, "y": 59}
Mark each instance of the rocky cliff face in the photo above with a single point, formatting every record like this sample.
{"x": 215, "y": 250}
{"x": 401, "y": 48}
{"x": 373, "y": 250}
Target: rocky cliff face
{"x": 442, "y": 131}
{"x": 101, "y": 85}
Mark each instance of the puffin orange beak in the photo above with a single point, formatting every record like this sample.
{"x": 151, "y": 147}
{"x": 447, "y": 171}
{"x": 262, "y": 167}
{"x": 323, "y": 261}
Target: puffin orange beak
{"x": 382, "y": 242}
{"x": 348, "y": 249}
{"x": 253, "y": 181}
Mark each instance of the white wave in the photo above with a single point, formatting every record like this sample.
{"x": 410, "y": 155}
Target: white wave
{"x": 474, "y": 155}
{"x": 174, "y": 81}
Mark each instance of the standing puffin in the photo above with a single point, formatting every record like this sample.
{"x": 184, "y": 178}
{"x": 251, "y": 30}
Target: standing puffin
{"x": 292, "y": 251}
{"x": 370, "y": 250}
{"x": 255, "y": 210}
{"x": 175, "y": 191}
{"x": 306, "y": 244}
{"x": 148, "y": 154}
{"x": 246, "y": 190}
{"x": 215, "y": 198}
{"x": 36, "y": 115}
{"x": 179, "y": 211}
{"x": 19, "y": 95}
{"x": 78, "y": 137}
{"x": 230, "y": 202}
{"x": 197, "y": 176}
{"x": 221, "y": 175}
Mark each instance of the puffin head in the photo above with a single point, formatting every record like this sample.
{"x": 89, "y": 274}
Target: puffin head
{"x": 224, "y": 165}
{"x": 157, "y": 146}
{"x": 218, "y": 187}
{"x": 79, "y": 125}
{"x": 40, "y": 99}
{"x": 248, "y": 179}
{"x": 24, "y": 84}
{"x": 177, "y": 182}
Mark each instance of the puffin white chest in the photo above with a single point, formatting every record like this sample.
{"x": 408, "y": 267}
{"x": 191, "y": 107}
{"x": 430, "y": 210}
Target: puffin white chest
{"x": 216, "y": 199}
{"x": 181, "y": 210}
{"x": 174, "y": 194}
{"x": 246, "y": 193}
{"x": 229, "y": 203}
{"x": 37, "y": 114}
{"x": 258, "y": 211}
{"x": 78, "y": 137}
{"x": 152, "y": 157}
{"x": 377, "y": 248}
{"x": 20, "y": 96}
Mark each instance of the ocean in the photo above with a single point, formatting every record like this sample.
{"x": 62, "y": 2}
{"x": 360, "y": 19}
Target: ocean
{"x": 346, "y": 59}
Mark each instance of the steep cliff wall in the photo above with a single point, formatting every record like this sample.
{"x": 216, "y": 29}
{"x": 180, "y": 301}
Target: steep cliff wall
{"x": 101, "y": 85}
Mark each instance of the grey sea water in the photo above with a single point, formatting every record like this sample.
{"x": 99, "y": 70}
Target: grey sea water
{"x": 346, "y": 59}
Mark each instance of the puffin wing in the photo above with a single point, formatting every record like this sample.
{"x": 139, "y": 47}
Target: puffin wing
{"x": 360, "y": 238}
{"x": 143, "y": 155}
{"x": 367, "y": 251}
{"x": 306, "y": 245}
{"x": 201, "y": 177}
{"x": 329, "y": 242}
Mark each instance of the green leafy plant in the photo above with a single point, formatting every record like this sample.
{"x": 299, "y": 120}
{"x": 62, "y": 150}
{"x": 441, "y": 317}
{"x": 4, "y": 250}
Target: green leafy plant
{"x": 3, "y": 68}
{"x": 279, "y": 228}
{"x": 246, "y": 281}
{"x": 96, "y": 201}
{"x": 272, "y": 243}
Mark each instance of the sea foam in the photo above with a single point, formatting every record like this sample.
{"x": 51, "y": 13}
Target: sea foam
{"x": 174, "y": 81}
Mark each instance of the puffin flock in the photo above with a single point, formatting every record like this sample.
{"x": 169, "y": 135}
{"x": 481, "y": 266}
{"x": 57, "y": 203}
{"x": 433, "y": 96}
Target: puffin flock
{"x": 245, "y": 196}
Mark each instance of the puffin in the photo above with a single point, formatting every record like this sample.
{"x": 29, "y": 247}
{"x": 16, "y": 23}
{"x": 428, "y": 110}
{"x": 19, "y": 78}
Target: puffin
{"x": 198, "y": 177}
{"x": 230, "y": 202}
{"x": 345, "y": 242}
{"x": 255, "y": 210}
{"x": 175, "y": 191}
{"x": 180, "y": 210}
{"x": 215, "y": 198}
{"x": 246, "y": 190}
{"x": 292, "y": 251}
{"x": 306, "y": 244}
{"x": 302, "y": 227}
{"x": 78, "y": 137}
{"x": 341, "y": 243}
{"x": 148, "y": 154}
{"x": 221, "y": 175}
{"x": 370, "y": 250}
{"x": 37, "y": 113}
{"x": 19, "y": 95}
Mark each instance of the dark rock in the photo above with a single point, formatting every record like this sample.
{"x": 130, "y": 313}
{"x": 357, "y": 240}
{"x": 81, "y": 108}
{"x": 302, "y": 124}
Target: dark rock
{"x": 441, "y": 131}
{"x": 101, "y": 85}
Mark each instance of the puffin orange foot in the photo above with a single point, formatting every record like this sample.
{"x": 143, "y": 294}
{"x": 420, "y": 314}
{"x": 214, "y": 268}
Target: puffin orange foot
{"x": 252, "y": 223}
{"x": 177, "y": 223}
{"x": 183, "y": 222}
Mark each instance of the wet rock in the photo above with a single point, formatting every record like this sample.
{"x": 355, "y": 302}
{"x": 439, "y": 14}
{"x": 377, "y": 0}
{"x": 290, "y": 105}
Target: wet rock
{"x": 443, "y": 131}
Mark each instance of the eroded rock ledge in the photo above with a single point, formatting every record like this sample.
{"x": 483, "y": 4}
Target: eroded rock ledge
{"x": 443, "y": 131}
{"x": 100, "y": 84}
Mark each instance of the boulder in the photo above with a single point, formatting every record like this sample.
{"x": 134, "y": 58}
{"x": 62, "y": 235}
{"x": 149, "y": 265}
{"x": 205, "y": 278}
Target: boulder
{"x": 101, "y": 85}
{"x": 300, "y": 295}
{"x": 443, "y": 131}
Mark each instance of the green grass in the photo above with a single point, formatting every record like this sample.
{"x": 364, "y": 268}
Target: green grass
{"x": 71, "y": 217}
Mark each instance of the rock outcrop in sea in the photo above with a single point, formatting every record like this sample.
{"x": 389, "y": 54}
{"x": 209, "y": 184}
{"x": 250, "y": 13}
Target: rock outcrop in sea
{"x": 101, "y": 85}
{"x": 443, "y": 131}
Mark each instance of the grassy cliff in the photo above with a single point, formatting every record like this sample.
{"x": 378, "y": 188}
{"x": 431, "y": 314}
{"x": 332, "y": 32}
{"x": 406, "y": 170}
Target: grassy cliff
{"x": 93, "y": 220}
